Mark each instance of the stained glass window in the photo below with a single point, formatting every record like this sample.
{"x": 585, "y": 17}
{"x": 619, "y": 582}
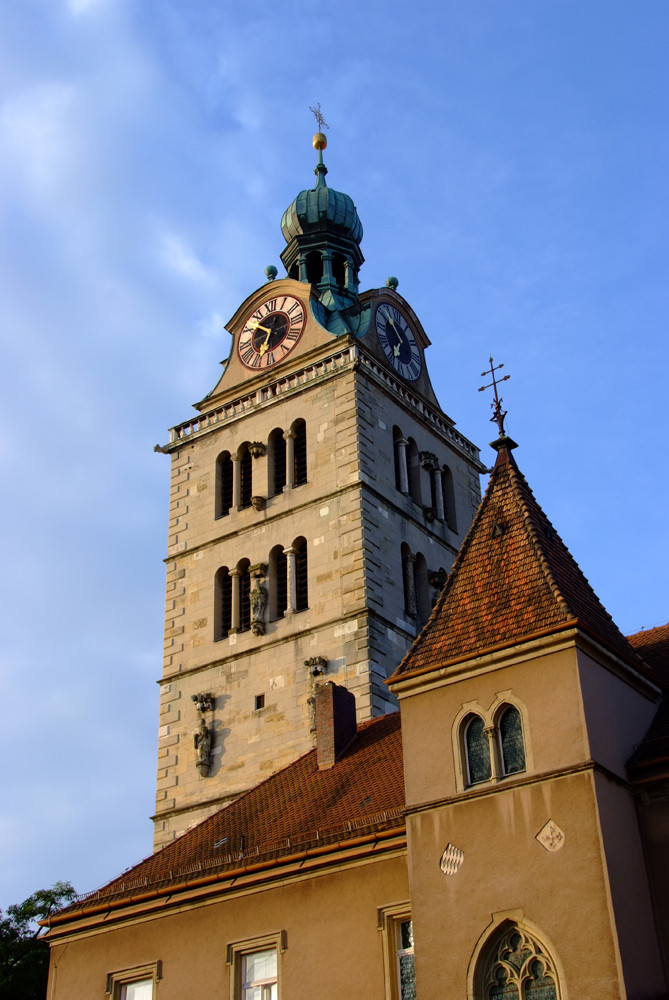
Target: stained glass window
{"x": 517, "y": 967}
{"x": 477, "y": 749}
{"x": 511, "y": 741}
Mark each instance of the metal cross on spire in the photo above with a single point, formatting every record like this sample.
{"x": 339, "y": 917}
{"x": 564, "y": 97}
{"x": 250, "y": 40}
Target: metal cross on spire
{"x": 497, "y": 413}
{"x": 318, "y": 115}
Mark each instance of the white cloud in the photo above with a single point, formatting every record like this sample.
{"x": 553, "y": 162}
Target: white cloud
{"x": 179, "y": 257}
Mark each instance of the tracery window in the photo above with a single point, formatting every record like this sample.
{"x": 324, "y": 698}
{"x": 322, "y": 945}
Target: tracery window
{"x": 517, "y": 967}
{"x": 477, "y": 750}
{"x": 511, "y": 744}
{"x": 224, "y": 473}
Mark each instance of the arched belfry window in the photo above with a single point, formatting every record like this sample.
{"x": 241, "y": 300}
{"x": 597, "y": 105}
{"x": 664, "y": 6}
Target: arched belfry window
{"x": 300, "y": 471}
{"x": 301, "y": 577}
{"x": 278, "y": 583}
{"x": 244, "y": 595}
{"x": 339, "y": 270}
{"x": 314, "y": 267}
{"x": 224, "y": 471}
{"x": 400, "y": 455}
{"x": 422, "y": 588}
{"x": 511, "y": 743}
{"x": 516, "y": 966}
{"x": 477, "y": 750}
{"x": 245, "y": 477}
{"x": 413, "y": 471}
{"x": 222, "y": 603}
{"x": 448, "y": 492}
{"x": 276, "y": 457}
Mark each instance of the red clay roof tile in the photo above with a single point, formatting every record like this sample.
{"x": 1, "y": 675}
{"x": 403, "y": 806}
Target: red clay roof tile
{"x": 513, "y": 578}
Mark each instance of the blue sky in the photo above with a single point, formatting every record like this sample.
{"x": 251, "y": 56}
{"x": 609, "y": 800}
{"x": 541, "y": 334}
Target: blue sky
{"x": 508, "y": 159}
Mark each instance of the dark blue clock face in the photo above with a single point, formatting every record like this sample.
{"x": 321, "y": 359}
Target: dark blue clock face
{"x": 398, "y": 342}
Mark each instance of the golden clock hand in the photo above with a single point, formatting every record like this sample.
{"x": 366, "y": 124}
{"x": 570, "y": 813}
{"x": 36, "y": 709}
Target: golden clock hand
{"x": 264, "y": 347}
{"x": 256, "y": 326}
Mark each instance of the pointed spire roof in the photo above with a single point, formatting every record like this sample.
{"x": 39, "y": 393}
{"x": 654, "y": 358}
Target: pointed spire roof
{"x": 513, "y": 580}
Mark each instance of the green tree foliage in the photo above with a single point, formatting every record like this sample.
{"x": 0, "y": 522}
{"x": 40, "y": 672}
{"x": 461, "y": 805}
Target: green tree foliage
{"x": 24, "y": 957}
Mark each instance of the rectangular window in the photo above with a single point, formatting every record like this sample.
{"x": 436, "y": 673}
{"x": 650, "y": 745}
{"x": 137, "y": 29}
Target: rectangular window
{"x": 255, "y": 967}
{"x": 259, "y": 971}
{"x": 397, "y": 928}
{"x": 134, "y": 984}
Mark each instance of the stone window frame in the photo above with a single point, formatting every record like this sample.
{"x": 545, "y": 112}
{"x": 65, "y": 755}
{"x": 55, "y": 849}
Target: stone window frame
{"x": 389, "y": 920}
{"x": 486, "y": 953}
{"x": 136, "y": 974}
{"x": 236, "y": 950}
{"x": 491, "y": 717}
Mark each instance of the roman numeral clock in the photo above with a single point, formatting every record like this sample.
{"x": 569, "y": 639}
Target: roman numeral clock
{"x": 271, "y": 332}
{"x": 398, "y": 341}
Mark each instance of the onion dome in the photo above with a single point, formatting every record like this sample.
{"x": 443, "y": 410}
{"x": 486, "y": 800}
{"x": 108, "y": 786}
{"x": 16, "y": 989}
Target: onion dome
{"x": 323, "y": 232}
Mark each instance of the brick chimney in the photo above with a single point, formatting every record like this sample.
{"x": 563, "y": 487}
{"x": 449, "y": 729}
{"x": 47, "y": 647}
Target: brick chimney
{"x": 335, "y": 723}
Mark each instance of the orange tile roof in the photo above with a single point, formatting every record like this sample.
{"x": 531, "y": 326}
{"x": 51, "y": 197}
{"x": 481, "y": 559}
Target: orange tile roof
{"x": 295, "y": 809}
{"x": 651, "y": 757}
{"x": 513, "y": 578}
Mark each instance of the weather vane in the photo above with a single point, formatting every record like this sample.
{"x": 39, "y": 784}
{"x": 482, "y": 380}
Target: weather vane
{"x": 318, "y": 115}
{"x": 497, "y": 413}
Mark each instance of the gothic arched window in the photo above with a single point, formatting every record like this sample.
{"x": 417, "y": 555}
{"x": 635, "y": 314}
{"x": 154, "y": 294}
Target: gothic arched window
{"x": 276, "y": 457}
{"x": 245, "y": 477}
{"x": 222, "y": 603}
{"x": 224, "y": 469}
{"x": 278, "y": 586}
{"x": 399, "y": 454}
{"x": 301, "y": 579}
{"x": 515, "y": 966}
{"x": 300, "y": 474}
{"x": 511, "y": 743}
{"x": 477, "y": 750}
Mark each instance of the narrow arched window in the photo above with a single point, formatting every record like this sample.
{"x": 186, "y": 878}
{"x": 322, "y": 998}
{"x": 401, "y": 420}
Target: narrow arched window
{"x": 300, "y": 430}
{"x": 223, "y": 484}
{"x": 511, "y": 743}
{"x": 423, "y": 605}
{"x": 400, "y": 457}
{"x": 408, "y": 580}
{"x": 339, "y": 270}
{"x": 413, "y": 471}
{"x": 222, "y": 603}
{"x": 301, "y": 580}
{"x": 278, "y": 583}
{"x": 449, "y": 497}
{"x": 516, "y": 966}
{"x": 246, "y": 477}
{"x": 477, "y": 750}
{"x": 314, "y": 267}
{"x": 244, "y": 596}
{"x": 276, "y": 457}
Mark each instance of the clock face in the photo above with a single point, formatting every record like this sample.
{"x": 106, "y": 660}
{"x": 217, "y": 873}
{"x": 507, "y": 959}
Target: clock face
{"x": 271, "y": 332}
{"x": 398, "y": 342}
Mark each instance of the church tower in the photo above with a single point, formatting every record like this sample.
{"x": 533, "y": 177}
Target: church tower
{"x": 317, "y": 500}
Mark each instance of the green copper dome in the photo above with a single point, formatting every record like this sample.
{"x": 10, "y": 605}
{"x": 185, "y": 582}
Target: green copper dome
{"x": 321, "y": 210}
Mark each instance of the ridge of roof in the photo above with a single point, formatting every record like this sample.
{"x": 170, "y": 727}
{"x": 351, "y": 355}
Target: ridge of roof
{"x": 513, "y": 577}
{"x": 294, "y": 808}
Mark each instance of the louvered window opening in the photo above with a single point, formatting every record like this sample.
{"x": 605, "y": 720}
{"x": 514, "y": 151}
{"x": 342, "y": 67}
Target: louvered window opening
{"x": 225, "y": 598}
{"x": 281, "y": 585}
{"x": 225, "y": 468}
{"x": 279, "y": 476}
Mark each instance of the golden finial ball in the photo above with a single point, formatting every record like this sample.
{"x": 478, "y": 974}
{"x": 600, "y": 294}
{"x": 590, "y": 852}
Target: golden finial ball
{"x": 319, "y": 141}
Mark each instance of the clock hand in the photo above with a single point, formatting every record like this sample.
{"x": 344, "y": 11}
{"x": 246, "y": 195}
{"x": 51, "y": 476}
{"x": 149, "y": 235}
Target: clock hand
{"x": 264, "y": 347}
{"x": 256, "y": 326}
